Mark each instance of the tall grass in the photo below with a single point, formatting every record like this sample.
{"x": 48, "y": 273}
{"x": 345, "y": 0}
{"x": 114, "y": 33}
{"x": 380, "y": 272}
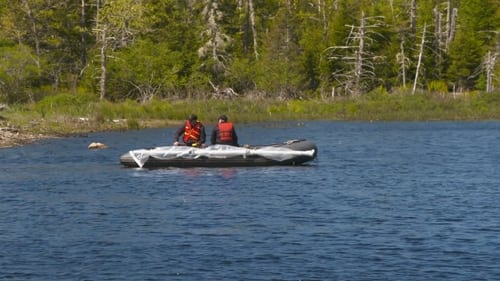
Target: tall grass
{"x": 66, "y": 113}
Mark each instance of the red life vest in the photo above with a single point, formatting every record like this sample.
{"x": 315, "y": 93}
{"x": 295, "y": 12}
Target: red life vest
{"x": 226, "y": 132}
{"x": 192, "y": 133}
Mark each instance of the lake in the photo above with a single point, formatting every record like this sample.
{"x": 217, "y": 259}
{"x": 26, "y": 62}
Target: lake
{"x": 383, "y": 201}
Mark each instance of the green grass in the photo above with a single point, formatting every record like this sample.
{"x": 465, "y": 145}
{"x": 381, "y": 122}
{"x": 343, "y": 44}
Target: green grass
{"x": 68, "y": 114}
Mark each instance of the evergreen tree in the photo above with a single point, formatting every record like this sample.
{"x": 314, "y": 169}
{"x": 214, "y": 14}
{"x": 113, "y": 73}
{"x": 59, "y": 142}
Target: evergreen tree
{"x": 160, "y": 48}
{"x": 476, "y": 33}
{"x": 278, "y": 69}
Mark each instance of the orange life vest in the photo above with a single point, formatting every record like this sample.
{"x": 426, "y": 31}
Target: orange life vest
{"x": 226, "y": 132}
{"x": 192, "y": 133}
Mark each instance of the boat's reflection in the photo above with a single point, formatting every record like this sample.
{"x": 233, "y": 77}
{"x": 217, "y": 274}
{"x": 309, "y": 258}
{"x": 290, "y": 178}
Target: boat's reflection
{"x": 190, "y": 173}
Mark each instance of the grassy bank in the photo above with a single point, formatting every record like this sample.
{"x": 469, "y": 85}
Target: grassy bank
{"x": 73, "y": 114}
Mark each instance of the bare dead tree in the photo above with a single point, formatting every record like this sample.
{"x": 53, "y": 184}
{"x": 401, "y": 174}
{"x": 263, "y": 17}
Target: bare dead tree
{"x": 452, "y": 23}
{"x": 288, "y": 39}
{"x": 100, "y": 31}
{"x": 114, "y": 28}
{"x": 104, "y": 47}
{"x": 224, "y": 93}
{"x": 360, "y": 62}
{"x": 419, "y": 63}
{"x": 413, "y": 16}
{"x": 83, "y": 41}
{"x": 438, "y": 32}
{"x": 358, "y": 66}
{"x": 322, "y": 13}
{"x": 147, "y": 90}
{"x": 489, "y": 63}
{"x": 444, "y": 26}
{"x": 444, "y": 30}
{"x": 404, "y": 63}
{"x": 254, "y": 29}
{"x": 489, "y": 66}
{"x": 217, "y": 41}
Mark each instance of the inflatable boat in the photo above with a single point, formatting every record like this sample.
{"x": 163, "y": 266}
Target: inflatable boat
{"x": 292, "y": 152}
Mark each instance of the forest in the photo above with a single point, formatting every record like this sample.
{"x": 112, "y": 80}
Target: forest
{"x": 142, "y": 50}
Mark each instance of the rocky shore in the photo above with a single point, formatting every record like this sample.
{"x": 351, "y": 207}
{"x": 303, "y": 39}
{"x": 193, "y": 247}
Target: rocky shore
{"x": 11, "y": 136}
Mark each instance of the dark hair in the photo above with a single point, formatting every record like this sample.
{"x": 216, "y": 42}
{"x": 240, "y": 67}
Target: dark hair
{"x": 223, "y": 117}
{"x": 193, "y": 117}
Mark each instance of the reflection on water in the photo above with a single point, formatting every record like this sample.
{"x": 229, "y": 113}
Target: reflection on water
{"x": 384, "y": 201}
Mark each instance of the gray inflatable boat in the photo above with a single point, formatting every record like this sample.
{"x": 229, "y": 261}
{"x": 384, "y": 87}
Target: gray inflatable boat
{"x": 292, "y": 152}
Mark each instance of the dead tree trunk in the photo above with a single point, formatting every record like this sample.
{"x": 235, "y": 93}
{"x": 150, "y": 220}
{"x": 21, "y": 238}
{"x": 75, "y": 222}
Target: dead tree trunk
{"x": 445, "y": 27}
{"x": 490, "y": 70}
{"x": 83, "y": 39}
{"x": 356, "y": 56}
{"x": 102, "y": 82}
{"x": 401, "y": 58}
{"x": 413, "y": 16}
{"x": 440, "y": 38}
{"x": 420, "y": 55}
{"x": 254, "y": 29}
{"x": 322, "y": 14}
{"x": 358, "y": 67}
{"x": 452, "y": 28}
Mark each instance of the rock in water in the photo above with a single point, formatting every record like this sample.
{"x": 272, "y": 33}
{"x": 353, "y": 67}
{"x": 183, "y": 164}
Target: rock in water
{"x": 97, "y": 145}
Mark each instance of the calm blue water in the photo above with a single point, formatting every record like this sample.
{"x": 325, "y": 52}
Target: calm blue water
{"x": 384, "y": 201}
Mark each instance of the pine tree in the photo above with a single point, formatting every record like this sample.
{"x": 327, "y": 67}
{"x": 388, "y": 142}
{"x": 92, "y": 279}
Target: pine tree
{"x": 476, "y": 33}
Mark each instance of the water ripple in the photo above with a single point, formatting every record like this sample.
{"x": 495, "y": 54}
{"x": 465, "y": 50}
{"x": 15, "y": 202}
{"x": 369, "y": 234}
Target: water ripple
{"x": 384, "y": 201}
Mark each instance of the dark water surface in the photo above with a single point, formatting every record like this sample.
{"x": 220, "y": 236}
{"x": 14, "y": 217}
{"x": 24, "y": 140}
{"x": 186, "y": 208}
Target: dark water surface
{"x": 384, "y": 201}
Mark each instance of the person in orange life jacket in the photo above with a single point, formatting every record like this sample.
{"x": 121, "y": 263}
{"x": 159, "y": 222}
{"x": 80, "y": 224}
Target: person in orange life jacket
{"x": 193, "y": 132}
{"x": 224, "y": 133}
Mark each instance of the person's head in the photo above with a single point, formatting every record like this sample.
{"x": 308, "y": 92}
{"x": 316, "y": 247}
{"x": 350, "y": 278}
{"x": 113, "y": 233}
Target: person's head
{"x": 193, "y": 119}
{"x": 223, "y": 118}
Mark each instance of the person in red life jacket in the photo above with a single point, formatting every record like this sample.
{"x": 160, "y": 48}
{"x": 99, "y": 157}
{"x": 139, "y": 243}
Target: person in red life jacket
{"x": 224, "y": 133}
{"x": 193, "y": 132}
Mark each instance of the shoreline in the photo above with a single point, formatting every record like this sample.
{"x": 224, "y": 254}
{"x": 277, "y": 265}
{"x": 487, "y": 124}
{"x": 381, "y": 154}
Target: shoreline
{"x": 28, "y": 123}
{"x": 11, "y": 137}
